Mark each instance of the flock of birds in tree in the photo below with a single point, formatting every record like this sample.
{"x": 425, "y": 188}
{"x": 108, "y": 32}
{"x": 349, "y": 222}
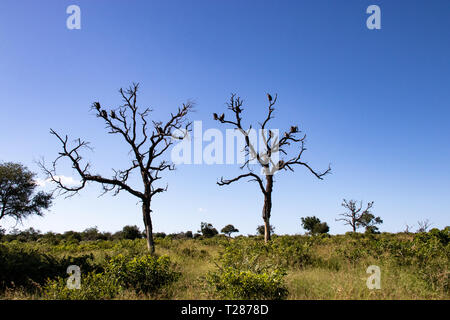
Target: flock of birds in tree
{"x": 221, "y": 118}
{"x": 104, "y": 114}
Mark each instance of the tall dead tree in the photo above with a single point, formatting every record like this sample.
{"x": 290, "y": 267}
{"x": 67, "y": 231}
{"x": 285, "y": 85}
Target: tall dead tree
{"x": 147, "y": 147}
{"x": 265, "y": 158}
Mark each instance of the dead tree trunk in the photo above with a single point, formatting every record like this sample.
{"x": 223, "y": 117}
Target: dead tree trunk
{"x": 146, "y": 211}
{"x": 267, "y": 207}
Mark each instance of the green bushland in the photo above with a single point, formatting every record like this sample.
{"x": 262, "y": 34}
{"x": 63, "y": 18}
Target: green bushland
{"x": 249, "y": 272}
{"x": 413, "y": 266}
{"x": 28, "y": 267}
{"x": 94, "y": 286}
{"x": 144, "y": 275}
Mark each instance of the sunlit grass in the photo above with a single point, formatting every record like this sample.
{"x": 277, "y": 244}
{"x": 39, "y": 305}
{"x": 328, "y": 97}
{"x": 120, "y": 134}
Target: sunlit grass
{"x": 331, "y": 273}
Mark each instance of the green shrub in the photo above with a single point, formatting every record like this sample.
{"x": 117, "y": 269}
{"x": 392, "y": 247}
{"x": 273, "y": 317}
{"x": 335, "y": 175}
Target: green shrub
{"x": 145, "y": 274}
{"x": 289, "y": 252}
{"x": 250, "y": 270}
{"x": 94, "y": 286}
{"x": 25, "y": 267}
{"x": 131, "y": 233}
{"x": 231, "y": 283}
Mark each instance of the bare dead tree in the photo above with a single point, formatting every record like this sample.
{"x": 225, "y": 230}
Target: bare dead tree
{"x": 265, "y": 158}
{"x": 147, "y": 147}
{"x": 355, "y": 216}
{"x": 408, "y": 228}
{"x": 424, "y": 225}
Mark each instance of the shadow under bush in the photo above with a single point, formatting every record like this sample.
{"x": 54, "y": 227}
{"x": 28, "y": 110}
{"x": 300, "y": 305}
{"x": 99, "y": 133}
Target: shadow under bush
{"x": 27, "y": 268}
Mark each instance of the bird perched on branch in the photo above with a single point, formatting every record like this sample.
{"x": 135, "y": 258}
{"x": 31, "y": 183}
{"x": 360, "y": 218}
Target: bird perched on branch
{"x": 97, "y": 105}
{"x": 294, "y": 129}
{"x": 160, "y": 131}
{"x": 269, "y": 97}
{"x": 215, "y": 116}
{"x": 113, "y": 114}
{"x": 104, "y": 114}
{"x": 222, "y": 117}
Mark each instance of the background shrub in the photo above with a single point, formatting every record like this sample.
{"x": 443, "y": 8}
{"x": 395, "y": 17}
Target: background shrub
{"x": 232, "y": 283}
{"x": 145, "y": 274}
{"x": 248, "y": 272}
{"x": 22, "y": 267}
{"x": 94, "y": 286}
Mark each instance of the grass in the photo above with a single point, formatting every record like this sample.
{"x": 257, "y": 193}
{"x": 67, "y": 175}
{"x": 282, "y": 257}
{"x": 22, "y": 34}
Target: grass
{"x": 331, "y": 267}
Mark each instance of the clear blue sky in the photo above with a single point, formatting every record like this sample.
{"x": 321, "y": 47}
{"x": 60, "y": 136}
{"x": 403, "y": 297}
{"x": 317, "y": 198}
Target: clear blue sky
{"x": 374, "y": 103}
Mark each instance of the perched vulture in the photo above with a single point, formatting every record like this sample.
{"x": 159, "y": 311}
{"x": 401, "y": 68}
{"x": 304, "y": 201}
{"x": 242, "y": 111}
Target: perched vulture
{"x": 222, "y": 117}
{"x": 294, "y": 129}
{"x": 104, "y": 114}
{"x": 97, "y": 105}
{"x": 238, "y": 109}
{"x": 113, "y": 114}
{"x": 215, "y": 116}
{"x": 286, "y": 134}
{"x": 269, "y": 97}
{"x": 160, "y": 131}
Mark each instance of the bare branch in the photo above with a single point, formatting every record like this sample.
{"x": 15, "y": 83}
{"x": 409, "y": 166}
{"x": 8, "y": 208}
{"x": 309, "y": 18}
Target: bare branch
{"x": 125, "y": 121}
{"x": 250, "y": 174}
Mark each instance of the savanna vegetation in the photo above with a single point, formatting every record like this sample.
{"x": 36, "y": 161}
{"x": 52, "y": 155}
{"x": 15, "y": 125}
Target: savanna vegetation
{"x": 184, "y": 266}
{"x": 207, "y": 264}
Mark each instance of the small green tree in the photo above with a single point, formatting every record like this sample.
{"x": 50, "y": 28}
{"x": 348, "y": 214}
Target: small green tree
{"x": 91, "y": 234}
{"x": 228, "y": 230}
{"x": 131, "y": 233}
{"x": 72, "y": 236}
{"x": 356, "y": 217}
{"x": 18, "y": 199}
{"x": 314, "y": 225}
{"x": 369, "y": 221}
{"x": 207, "y": 230}
{"x": 260, "y": 230}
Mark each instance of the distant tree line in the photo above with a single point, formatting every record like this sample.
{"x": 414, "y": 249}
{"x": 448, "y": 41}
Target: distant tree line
{"x": 90, "y": 234}
{"x": 19, "y": 199}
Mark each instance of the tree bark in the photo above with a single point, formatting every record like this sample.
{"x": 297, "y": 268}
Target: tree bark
{"x": 267, "y": 207}
{"x": 148, "y": 226}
